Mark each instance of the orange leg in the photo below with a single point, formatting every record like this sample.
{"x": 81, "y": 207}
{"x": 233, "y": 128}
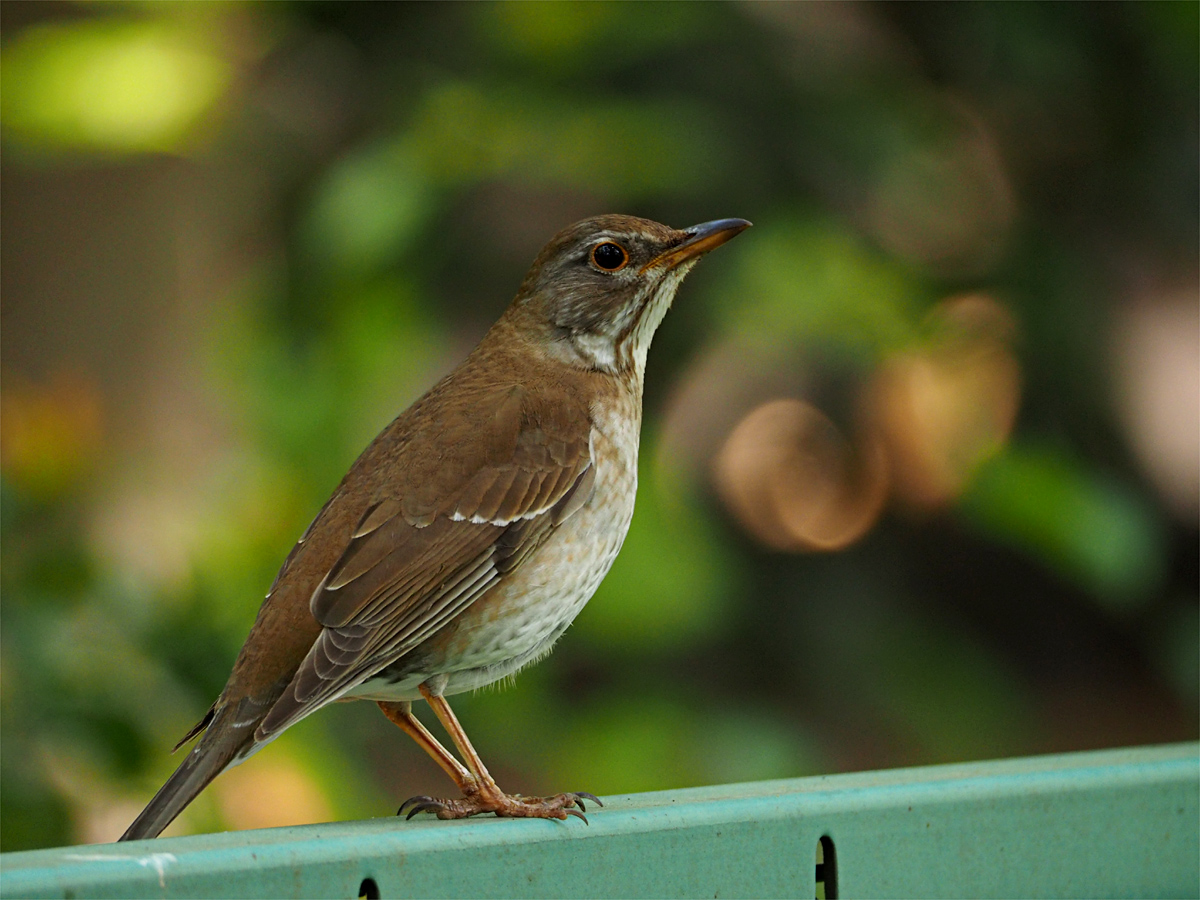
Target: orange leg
{"x": 400, "y": 715}
{"x": 450, "y": 722}
{"x": 480, "y": 791}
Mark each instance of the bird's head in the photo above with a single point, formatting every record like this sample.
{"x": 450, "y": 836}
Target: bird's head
{"x": 599, "y": 290}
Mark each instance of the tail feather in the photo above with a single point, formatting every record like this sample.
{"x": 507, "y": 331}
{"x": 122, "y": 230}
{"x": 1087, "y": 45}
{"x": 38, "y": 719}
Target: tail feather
{"x": 196, "y": 729}
{"x": 228, "y": 740}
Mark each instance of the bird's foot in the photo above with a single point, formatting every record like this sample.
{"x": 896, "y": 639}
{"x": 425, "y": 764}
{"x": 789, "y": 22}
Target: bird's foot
{"x": 505, "y": 805}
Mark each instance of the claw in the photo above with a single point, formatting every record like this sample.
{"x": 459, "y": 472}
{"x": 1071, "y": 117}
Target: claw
{"x": 418, "y": 804}
{"x": 420, "y": 798}
{"x": 576, "y": 813}
{"x": 504, "y": 805}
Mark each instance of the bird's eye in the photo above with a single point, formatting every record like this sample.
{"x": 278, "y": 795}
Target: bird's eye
{"x": 609, "y": 256}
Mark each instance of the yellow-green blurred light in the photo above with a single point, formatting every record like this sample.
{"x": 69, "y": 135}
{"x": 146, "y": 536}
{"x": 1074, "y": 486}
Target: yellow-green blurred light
{"x": 119, "y": 87}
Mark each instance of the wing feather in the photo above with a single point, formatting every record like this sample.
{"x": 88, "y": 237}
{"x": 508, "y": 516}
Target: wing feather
{"x": 329, "y": 670}
{"x": 517, "y": 497}
{"x": 442, "y": 531}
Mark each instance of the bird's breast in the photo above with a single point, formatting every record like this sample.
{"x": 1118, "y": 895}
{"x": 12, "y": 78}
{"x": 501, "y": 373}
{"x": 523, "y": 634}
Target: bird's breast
{"x": 521, "y": 618}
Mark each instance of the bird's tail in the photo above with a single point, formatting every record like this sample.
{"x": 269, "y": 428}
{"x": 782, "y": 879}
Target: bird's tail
{"x": 229, "y": 739}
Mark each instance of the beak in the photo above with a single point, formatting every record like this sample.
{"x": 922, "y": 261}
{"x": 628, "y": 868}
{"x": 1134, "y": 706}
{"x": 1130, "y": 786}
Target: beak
{"x": 700, "y": 239}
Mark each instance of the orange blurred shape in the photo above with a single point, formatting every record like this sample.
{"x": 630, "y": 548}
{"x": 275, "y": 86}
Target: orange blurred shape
{"x": 268, "y": 793}
{"x": 944, "y": 409}
{"x": 50, "y": 434}
{"x": 795, "y": 482}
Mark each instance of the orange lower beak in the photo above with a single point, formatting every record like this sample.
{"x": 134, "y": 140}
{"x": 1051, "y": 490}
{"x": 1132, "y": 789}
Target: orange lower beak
{"x": 700, "y": 239}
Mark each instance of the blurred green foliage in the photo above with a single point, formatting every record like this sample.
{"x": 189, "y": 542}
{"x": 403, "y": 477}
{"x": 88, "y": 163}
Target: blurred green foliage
{"x": 404, "y": 163}
{"x": 110, "y": 85}
{"x": 1094, "y": 530}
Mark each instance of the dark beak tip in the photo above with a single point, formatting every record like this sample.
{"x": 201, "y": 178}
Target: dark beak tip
{"x": 699, "y": 240}
{"x": 717, "y": 225}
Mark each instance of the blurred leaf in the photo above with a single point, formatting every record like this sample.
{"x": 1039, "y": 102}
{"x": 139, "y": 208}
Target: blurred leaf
{"x": 950, "y": 696}
{"x": 312, "y": 406}
{"x": 572, "y": 36}
{"x": 33, "y": 816}
{"x": 367, "y": 208}
{"x": 1091, "y": 529}
{"x": 901, "y": 675}
{"x": 814, "y": 283}
{"x": 466, "y": 132}
{"x": 1175, "y": 646}
{"x": 739, "y": 742}
{"x": 108, "y": 84}
{"x": 1175, "y": 27}
{"x": 637, "y": 743}
{"x": 649, "y": 740}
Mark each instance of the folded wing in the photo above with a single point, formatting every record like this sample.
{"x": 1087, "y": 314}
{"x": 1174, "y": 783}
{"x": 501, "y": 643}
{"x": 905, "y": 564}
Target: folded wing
{"x": 439, "y": 534}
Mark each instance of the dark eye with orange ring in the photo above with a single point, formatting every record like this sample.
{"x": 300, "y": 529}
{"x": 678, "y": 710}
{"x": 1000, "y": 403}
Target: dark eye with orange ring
{"x": 609, "y": 256}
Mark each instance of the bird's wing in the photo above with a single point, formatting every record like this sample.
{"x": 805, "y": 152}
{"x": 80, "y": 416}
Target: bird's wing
{"x": 440, "y": 533}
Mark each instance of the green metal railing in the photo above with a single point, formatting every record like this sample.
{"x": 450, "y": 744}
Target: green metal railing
{"x": 1114, "y": 823}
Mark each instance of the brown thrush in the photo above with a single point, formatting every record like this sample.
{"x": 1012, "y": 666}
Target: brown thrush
{"x": 473, "y": 530}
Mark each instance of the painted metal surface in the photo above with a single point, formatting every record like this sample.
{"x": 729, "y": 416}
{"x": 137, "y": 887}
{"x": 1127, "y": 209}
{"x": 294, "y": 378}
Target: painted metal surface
{"x": 1114, "y": 823}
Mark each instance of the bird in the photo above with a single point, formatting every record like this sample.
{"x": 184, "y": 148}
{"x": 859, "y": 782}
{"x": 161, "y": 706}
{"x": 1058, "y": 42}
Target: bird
{"x": 470, "y": 533}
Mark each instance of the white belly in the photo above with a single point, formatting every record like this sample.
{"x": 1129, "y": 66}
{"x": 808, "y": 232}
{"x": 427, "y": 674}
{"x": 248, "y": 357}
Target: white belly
{"x": 528, "y": 611}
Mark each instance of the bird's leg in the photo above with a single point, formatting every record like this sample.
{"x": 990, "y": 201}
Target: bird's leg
{"x": 400, "y": 715}
{"x": 482, "y": 794}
